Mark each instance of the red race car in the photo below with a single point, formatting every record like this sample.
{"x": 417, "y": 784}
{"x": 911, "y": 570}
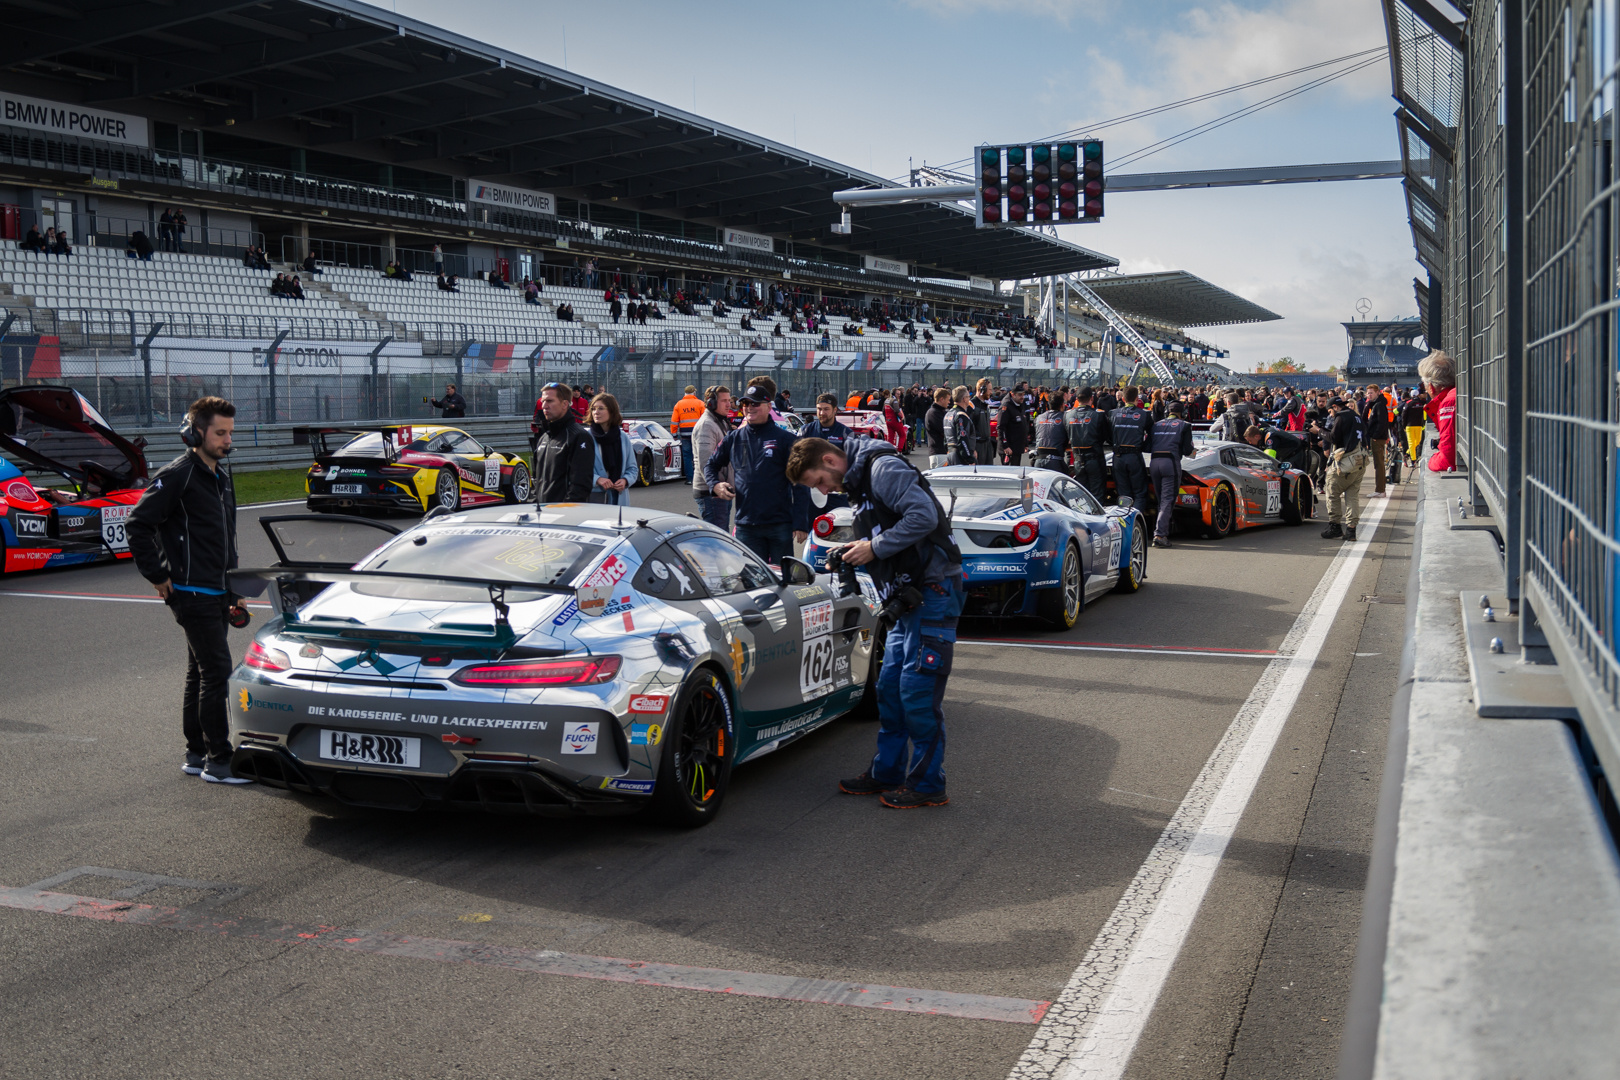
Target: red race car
{"x": 54, "y": 431}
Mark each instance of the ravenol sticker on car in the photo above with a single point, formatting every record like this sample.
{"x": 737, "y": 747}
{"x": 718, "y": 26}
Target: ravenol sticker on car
{"x": 580, "y": 738}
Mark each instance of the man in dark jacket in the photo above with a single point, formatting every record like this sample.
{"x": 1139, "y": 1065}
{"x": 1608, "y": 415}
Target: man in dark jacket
{"x": 984, "y": 445}
{"x": 454, "y": 406}
{"x": 757, "y": 453}
{"x": 962, "y": 431}
{"x": 1012, "y": 427}
{"x": 1088, "y": 433}
{"x": 1128, "y": 428}
{"x": 182, "y": 535}
{"x": 1170, "y": 441}
{"x": 1375, "y": 425}
{"x": 564, "y": 454}
{"x": 934, "y": 423}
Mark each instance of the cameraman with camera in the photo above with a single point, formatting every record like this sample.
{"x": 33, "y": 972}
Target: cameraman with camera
{"x": 905, "y": 544}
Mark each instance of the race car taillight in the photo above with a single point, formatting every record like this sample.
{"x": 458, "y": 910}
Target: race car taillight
{"x": 824, "y": 526}
{"x": 669, "y": 456}
{"x": 586, "y": 670}
{"x": 22, "y": 491}
{"x": 1026, "y": 531}
{"x": 266, "y": 659}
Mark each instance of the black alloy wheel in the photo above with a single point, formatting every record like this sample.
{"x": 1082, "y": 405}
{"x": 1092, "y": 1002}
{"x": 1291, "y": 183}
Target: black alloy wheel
{"x": 1222, "y": 514}
{"x": 694, "y": 769}
{"x": 447, "y": 490}
{"x": 644, "y": 469}
{"x": 519, "y": 490}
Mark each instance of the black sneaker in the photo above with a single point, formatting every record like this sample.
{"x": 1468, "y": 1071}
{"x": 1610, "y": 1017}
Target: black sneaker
{"x": 906, "y": 799}
{"x": 1349, "y": 533}
{"x": 219, "y": 772}
{"x": 1333, "y": 532}
{"x": 1161, "y": 541}
{"x": 194, "y": 764}
{"x": 865, "y": 785}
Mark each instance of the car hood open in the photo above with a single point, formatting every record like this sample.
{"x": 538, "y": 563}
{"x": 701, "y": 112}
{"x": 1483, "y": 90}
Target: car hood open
{"x": 55, "y": 429}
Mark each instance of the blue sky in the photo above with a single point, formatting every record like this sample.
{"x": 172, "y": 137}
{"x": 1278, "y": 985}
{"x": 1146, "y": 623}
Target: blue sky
{"x": 877, "y": 82}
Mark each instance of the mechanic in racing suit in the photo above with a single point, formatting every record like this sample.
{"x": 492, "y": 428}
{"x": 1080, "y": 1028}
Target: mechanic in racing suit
{"x": 905, "y": 542}
{"x": 1051, "y": 439}
{"x": 182, "y": 536}
{"x": 1088, "y": 434}
{"x": 1128, "y": 427}
{"x": 1172, "y": 440}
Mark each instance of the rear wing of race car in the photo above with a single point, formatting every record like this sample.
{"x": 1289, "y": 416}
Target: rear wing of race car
{"x": 396, "y": 437}
{"x": 291, "y": 588}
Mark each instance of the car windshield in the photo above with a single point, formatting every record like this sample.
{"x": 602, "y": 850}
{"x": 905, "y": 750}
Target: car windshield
{"x": 493, "y": 552}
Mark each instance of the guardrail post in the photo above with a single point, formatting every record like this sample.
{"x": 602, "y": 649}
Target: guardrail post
{"x": 534, "y": 362}
{"x": 376, "y": 412}
{"x": 146, "y": 367}
{"x": 270, "y": 364}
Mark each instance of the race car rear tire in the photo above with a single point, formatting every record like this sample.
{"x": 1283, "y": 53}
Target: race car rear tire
{"x": 519, "y": 490}
{"x": 447, "y": 490}
{"x": 694, "y": 769}
{"x": 1133, "y": 571}
{"x": 1222, "y": 514}
{"x": 1060, "y": 607}
{"x": 644, "y": 469}
{"x": 1297, "y": 509}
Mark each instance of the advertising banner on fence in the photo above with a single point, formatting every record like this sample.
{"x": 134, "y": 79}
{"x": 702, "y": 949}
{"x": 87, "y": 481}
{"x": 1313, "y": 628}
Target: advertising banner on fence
{"x": 885, "y": 266}
{"x": 513, "y": 198}
{"x": 62, "y": 119}
{"x": 737, "y": 358}
{"x": 226, "y": 356}
{"x": 749, "y": 241}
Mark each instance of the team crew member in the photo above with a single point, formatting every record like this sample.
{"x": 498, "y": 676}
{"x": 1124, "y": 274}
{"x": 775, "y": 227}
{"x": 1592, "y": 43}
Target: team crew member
{"x": 1172, "y": 440}
{"x": 1292, "y": 450}
{"x": 961, "y": 430}
{"x": 712, "y": 426}
{"x": 564, "y": 453}
{"x": 1375, "y": 425}
{"x": 1012, "y": 428}
{"x": 1051, "y": 439}
{"x": 453, "y": 406}
{"x": 182, "y": 535}
{"x": 757, "y": 453}
{"x": 824, "y": 426}
{"x": 1088, "y": 432}
{"x": 681, "y": 421}
{"x": 934, "y": 422}
{"x": 1128, "y": 427}
{"x": 905, "y": 541}
{"x": 984, "y": 446}
{"x": 1345, "y": 470}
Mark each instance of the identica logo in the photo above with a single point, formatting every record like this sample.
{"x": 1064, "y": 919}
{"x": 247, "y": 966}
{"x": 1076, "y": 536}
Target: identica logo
{"x": 249, "y": 702}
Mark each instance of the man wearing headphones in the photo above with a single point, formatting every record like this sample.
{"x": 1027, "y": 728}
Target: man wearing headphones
{"x": 182, "y": 535}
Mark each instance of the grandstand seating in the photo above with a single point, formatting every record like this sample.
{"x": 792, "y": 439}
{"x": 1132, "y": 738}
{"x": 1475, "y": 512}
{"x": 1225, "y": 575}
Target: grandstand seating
{"x": 170, "y": 284}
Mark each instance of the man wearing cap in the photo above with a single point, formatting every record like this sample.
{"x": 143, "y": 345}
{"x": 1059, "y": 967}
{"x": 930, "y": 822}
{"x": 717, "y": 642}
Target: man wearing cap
{"x": 757, "y": 453}
{"x": 687, "y": 412}
{"x": 1347, "y": 464}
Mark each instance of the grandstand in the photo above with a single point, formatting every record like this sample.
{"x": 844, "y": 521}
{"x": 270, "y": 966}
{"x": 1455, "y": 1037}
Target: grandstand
{"x": 1382, "y": 350}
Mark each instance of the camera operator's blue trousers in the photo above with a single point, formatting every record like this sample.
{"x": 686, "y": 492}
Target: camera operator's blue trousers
{"x": 911, "y": 690}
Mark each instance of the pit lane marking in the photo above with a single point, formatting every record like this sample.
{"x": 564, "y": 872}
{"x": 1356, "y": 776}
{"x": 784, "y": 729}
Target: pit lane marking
{"x": 539, "y": 962}
{"x": 118, "y": 598}
{"x": 1092, "y": 1029}
{"x": 1139, "y": 650}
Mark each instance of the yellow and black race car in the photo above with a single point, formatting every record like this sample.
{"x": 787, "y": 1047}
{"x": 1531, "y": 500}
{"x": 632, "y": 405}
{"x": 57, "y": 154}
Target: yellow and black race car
{"x": 408, "y": 467}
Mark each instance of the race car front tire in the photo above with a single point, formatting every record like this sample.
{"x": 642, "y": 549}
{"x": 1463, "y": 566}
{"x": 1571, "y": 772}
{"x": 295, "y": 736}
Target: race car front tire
{"x": 644, "y": 469}
{"x": 447, "y": 490}
{"x": 1298, "y": 508}
{"x": 700, "y": 744}
{"x": 1060, "y": 607}
{"x": 1222, "y": 514}
{"x": 519, "y": 490}
{"x": 1134, "y": 570}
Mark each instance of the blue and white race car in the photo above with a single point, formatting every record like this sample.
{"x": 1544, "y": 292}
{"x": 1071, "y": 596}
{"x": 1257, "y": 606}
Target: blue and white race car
{"x": 1034, "y": 542}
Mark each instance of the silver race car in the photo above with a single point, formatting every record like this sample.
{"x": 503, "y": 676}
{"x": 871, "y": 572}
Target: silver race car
{"x": 658, "y": 453}
{"x": 556, "y": 661}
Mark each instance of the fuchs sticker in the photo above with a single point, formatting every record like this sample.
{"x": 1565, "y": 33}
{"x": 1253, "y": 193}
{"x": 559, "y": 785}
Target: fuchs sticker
{"x": 580, "y": 738}
{"x": 649, "y": 703}
{"x": 817, "y": 618}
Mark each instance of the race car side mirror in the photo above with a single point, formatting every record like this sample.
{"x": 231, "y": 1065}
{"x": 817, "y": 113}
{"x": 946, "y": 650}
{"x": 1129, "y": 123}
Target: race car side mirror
{"x": 797, "y": 572}
{"x": 1127, "y": 502}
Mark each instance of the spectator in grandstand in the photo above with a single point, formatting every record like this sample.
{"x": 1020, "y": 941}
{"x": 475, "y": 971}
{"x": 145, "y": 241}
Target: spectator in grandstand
{"x": 564, "y": 453}
{"x": 260, "y": 261}
{"x": 180, "y": 231}
{"x": 295, "y": 288}
{"x": 278, "y": 287}
{"x": 710, "y": 428}
{"x": 310, "y": 266}
{"x": 35, "y": 242}
{"x": 496, "y": 281}
{"x": 448, "y": 284}
{"x": 757, "y": 453}
{"x": 166, "y": 229}
{"x": 61, "y": 247}
{"x": 453, "y": 406}
{"x": 615, "y": 307}
{"x": 826, "y": 339}
{"x": 531, "y": 291}
{"x": 655, "y": 312}
{"x": 614, "y": 464}
{"x": 1439, "y": 375}
{"x": 137, "y": 247}
{"x": 438, "y": 260}
{"x": 776, "y": 331}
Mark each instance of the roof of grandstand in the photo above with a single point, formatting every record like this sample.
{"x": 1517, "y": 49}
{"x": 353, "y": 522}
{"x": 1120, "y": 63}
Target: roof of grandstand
{"x": 355, "y": 80}
{"x": 1178, "y": 298}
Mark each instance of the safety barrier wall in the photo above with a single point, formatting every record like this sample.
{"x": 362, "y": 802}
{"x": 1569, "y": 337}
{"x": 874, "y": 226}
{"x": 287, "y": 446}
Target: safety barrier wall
{"x": 1529, "y": 296}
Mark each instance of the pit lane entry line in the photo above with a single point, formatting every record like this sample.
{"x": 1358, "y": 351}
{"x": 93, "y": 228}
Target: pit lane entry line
{"x": 539, "y": 962}
{"x": 1091, "y": 1030}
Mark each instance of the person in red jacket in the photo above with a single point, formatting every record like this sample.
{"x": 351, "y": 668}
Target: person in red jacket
{"x": 1439, "y": 375}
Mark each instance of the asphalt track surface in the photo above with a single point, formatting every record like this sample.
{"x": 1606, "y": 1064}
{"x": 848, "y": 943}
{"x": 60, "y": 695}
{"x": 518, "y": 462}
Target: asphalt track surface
{"x": 804, "y": 934}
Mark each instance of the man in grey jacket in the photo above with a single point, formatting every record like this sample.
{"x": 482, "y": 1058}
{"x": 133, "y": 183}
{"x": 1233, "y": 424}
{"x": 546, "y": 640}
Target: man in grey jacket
{"x": 707, "y": 433}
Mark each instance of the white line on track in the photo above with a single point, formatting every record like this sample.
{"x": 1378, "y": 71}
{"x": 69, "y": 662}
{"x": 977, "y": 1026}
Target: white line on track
{"x": 106, "y": 599}
{"x": 1092, "y": 1029}
{"x": 1120, "y": 649}
{"x": 264, "y": 506}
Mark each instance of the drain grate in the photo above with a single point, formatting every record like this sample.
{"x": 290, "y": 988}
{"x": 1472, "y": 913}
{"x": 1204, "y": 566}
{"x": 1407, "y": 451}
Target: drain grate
{"x": 1369, "y": 598}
